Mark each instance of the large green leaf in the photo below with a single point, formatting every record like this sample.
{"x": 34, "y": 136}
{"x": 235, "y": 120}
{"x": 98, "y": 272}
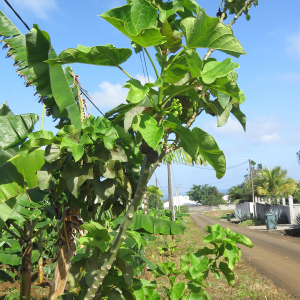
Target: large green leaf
{"x": 177, "y": 70}
{"x": 19, "y": 173}
{"x": 208, "y": 32}
{"x": 15, "y": 128}
{"x": 229, "y": 275}
{"x": 15, "y": 41}
{"x": 62, "y": 93}
{"x": 75, "y": 176}
{"x": 239, "y": 115}
{"x": 155, "y": 225}
{"x": 38, "y": 47}
{"x": 98, "y": 55}
{"x": 150, "y": 130}
{"x": 209, "y": 149}
{"x": 216, "y": 69}
{"x": 194, "y": 62}
{"x": 137, "y": 21}
{"x": 173, "y": 42}
{"x": 178, "y": 291}
{"x": 10, "y": 259}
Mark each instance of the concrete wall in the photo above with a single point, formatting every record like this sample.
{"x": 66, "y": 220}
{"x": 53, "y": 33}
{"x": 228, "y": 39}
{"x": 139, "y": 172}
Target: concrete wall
{"x": 208, "y": 208}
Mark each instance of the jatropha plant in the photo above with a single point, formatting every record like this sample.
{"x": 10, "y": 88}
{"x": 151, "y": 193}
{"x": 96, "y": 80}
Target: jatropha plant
{"x": 97, "y": 169}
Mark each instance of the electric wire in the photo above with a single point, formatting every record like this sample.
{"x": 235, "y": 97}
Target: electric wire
{"x": 145, "y": 66}
{"x": 159, "y": 183}
{"x": 142, "y": 65}
{"x": 228, "y": 168}
{"x": 17, "y": 14}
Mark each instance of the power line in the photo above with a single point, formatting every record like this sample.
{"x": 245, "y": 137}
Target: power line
{"x": 159, "y": 183}
{"x": 228, "y": 168}
{"x": 145, "y": 65}
{"x": 17, "y": 14}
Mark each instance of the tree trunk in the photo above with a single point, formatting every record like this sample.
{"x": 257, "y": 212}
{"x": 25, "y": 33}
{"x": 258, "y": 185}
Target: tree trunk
{"x": 25, "y": 289}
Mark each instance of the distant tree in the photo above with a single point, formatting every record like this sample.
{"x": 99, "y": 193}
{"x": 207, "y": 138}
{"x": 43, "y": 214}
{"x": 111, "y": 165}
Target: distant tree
{"x": 155, "y": 202}
{"x": 205, "y": 195}
{"x": 298, "y": 156}
{"x": 274, "y": 182}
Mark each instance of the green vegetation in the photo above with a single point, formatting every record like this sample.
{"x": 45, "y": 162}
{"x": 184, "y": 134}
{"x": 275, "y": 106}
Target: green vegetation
{"x": 93, "y": 174}
{"x": 206, "y": 195}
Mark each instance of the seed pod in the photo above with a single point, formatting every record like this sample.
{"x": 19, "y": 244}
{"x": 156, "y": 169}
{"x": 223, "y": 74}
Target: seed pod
{"x": 152, "y": 156}
{"x": 144, "y": 147}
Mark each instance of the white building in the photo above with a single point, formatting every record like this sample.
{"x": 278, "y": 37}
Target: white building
{"x": 181, "y": 200}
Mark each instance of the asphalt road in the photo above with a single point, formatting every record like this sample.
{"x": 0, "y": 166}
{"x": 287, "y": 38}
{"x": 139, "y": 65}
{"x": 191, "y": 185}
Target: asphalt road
{"x": 273, "y": 255}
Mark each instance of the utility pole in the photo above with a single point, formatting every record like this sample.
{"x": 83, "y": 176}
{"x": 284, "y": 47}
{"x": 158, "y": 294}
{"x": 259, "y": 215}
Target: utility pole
{"x": 251, "y": 176}
{"x": 170, "y": 191}
{"x": 178, "y": 198}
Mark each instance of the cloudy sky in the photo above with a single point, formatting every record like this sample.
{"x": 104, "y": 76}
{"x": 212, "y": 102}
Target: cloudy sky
{"x": 269, "y": 76}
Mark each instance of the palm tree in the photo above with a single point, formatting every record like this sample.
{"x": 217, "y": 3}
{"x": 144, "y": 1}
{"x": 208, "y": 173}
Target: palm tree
{"x": 274, "y": 182}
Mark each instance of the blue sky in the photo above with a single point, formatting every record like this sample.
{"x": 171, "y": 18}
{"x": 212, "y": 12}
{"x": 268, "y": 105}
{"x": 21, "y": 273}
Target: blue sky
{"x": 269, "y": 76}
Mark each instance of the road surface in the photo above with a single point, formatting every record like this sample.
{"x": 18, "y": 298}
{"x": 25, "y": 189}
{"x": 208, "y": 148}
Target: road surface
{"x": 273, "y": 255}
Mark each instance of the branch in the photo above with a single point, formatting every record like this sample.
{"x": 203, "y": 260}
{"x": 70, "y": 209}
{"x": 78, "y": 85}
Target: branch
{"x": 191, "y": 120}
{"x": 125, "y": 72}
{"x": 121, "y": 232}
{"x": 246, "y": 6}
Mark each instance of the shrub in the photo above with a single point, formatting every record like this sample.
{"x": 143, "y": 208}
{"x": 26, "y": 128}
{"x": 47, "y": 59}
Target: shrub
{"x": 184, "y": 209}
{"x": 242, "y": 215}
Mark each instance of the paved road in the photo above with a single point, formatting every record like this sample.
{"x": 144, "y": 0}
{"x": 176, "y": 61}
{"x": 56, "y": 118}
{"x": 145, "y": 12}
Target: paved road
{"x": 275, "y": 256}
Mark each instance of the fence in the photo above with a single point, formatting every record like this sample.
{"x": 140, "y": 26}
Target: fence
{"x": 261, "y": 206}
{"x": 196, "y": 208}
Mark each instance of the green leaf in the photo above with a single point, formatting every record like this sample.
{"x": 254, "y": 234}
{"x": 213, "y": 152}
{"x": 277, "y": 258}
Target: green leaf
{"x": 223, "y": 99}
{"x": 75, "y": 176}
{"x": 209, "y": 150}
{"x": 173, "y": 43}
{"x": 149, "y": 129}
{"x": 96, "y": 230}
{"x": 137, "y": 21}
{"x": 178, "y": 291}
{"x": 90, "y": 241}
{"x": 229, "y": 275}
{"x": 207, "y": 32}
{"x": 107, "y": 55}
{"x": 52, "y": 153}
{"x": 92, "y": 267}
{"x": 15, "y": 128}
{"x": 62, "y": 93}
{"x": 216, "y": 69}
{"x": 168, "y": 9}
{"x": 154, "y": 225}
{"x": 35, "y": 256}
{"x": 105, "y": 188}
{"x": 131, "y": 114}
{"x": 194, "y": 62}
{"x": 19, "y": 173}
{"x": 154, "y": 190}
{"x": 136, "y": 237}
{"x": 187, "y": 139}
{"x": 38, "y": 47}
{"x": 239, "y": 115}
{"x": 126, "y": 269}
{"x": 136, "y": 91}
{"x": 10, "y": 259}
{"x": 177, "y": 69}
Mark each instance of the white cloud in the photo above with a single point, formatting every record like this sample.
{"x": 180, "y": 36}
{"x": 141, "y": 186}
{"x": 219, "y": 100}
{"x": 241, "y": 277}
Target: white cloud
{"x": 110, "y": 95}
{"x": 40, "y": 8}
{"x": 293, "y": 46}
{"x": 264, "y": 130}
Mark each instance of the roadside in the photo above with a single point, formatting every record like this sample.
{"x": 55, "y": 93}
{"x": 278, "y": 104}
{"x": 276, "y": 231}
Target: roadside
{"x": 249, "y": 283}
{"x": 274, "y": 256}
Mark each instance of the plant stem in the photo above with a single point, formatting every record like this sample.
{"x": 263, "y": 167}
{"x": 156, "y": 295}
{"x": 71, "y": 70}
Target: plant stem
{"x": 153, "y": 65}
{"x": 43, "y": 116}
{"x": 174, "y": 59}
{"x": 20, "y": 230}
{"x": 125, "y": 72}
{"x": 14, "y": 235}
{"x": 246, "y": 6}
{"x": 121, "y": 232}
{"x": 40, "y": 230}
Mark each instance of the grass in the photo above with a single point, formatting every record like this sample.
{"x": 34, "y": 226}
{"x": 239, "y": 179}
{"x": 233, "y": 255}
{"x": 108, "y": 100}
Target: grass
{"x": 218, "y": 214}
{"x": 252, "y": 222}
{"x": 249, "y": 283}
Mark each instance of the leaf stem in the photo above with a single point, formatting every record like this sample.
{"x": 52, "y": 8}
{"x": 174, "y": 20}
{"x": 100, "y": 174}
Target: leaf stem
{"x": 40, "y": 230}
{"x": 125, "y": 72}
{"x": 14, "y": 235}
{"x": 153, "y": 65}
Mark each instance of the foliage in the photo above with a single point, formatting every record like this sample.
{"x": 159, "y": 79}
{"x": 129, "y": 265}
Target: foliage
{"x": 274, "y": 182}
{"x": 184, "y": 209}
{"x": 297, "y": 221}
{"x": 94, "y": 168}
{"x": 206, "y": 195}
{"x": 242, "y": 215}
{"x": 155, "y": 202}
{"x": 196, "y": 266}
